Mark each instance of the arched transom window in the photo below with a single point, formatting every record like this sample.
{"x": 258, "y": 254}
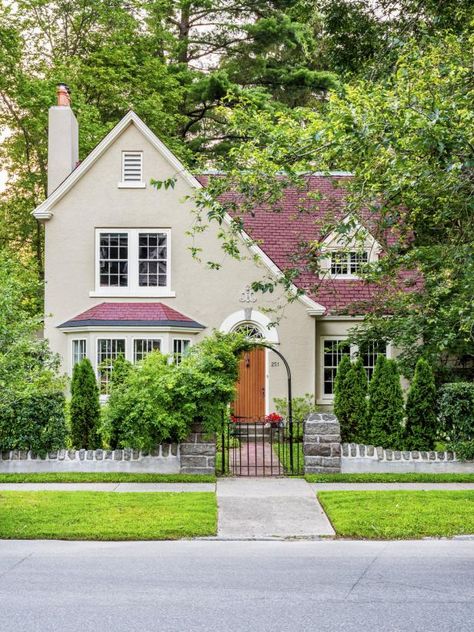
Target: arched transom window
{"x": 250, "y": 331}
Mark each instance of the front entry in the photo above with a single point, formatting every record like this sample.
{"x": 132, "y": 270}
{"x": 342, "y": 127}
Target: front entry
{"x": 250, "y": 400}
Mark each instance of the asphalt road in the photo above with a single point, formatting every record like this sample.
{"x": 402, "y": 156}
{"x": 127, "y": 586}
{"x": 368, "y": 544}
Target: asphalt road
{"x": 236, "y": 586}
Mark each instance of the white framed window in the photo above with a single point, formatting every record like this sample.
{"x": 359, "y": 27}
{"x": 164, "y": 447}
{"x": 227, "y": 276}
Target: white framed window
{"x": 333, "y": 348}
{"x": 180, "y": 348}
{"x": 108, "y": 350}
{"x": 348, "y": 263}
{"x": 144, "y": 346}
{"x": 369, "y": 353}
{"x": 132, "y": 170}
{"x": 79, "y": 351}
{"x": 133, "y": 262}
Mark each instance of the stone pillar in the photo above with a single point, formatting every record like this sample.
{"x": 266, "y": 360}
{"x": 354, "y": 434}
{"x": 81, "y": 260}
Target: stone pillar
{"x": 198, "y": 452}
{"x": 322, "y": 444}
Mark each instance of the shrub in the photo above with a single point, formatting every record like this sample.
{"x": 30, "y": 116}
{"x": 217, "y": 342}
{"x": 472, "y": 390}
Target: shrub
{"x": 35, "y": 422}
{"x": 464, "y": 450}
{"x": 421, "y": 421}
{"x": 120, "y": 371}
{"x": 456, "y": 411}
{"x": 302, "y": 406}
{"x": 84, "y": 407}
{"x": 350, "y": 399}
{"x": 159, "y": 401}
{"x": 385, "y": 409}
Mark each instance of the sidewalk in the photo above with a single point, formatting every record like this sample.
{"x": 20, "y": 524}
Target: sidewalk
{"x": 255, "y": 508}
{"x": 108, "y": 487}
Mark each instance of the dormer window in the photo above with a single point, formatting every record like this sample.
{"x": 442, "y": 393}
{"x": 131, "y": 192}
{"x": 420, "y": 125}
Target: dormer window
{"x": 132, "y": 170}
{"x": 348, "y": 263}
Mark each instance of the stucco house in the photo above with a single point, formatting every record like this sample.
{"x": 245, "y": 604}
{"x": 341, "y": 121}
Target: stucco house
{"x": 120, "y": 278}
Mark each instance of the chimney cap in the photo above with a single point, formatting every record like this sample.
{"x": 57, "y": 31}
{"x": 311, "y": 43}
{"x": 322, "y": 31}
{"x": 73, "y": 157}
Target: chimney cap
{"x": 63, "y": 94}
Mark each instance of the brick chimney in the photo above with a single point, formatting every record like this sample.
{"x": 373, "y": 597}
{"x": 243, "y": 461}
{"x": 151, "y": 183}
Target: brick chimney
{"x": 63, "y": 139}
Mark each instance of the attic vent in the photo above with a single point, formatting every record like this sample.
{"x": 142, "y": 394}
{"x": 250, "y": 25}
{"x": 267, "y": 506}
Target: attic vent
{"x": 132, "y": 169}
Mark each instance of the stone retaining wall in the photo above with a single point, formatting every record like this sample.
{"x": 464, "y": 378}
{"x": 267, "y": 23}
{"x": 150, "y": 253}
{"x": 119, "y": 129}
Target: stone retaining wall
{"x": 358, "y": 458}
{"x": 197, "y": 455}
{"x": 164, "y": 460}
{"x": 322, "y": 444}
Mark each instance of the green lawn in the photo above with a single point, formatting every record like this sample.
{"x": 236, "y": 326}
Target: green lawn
{"x": 282, "y": 450}
{"x": 107, "y": 516}
{"x": 106, "y": 477}
{"x": 399, "y": 514}
{"x": 390, "y": 478}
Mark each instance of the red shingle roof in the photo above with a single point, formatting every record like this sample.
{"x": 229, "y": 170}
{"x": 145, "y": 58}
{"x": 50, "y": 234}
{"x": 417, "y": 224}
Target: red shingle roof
{"x": 130, "y": 314}
{"x": 284, "y": 235}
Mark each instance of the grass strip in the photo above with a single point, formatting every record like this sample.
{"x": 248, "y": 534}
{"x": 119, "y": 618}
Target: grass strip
{"x": 399, "y": 514}
{"x": 106, "y": 516}
{"x": 105, "y": 477}
{"x": 390, "y": 478}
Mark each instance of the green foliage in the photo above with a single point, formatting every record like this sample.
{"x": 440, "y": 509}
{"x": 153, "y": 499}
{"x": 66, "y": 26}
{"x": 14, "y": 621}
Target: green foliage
{"x": 35, "y": 422}
{"x": 464, "y": 450}
{"x": 350, "y": 399}
{"x": 120, "y": 371}
{"x": 456, "y": 411}
{"x": 158, "y": 401}
{"x": 84, "y": 408}
{"x": 421, "y": 427}
{"x": 385, "y": 410}
{"x": 301, "y": 407}
{"x": 31, "y": 404}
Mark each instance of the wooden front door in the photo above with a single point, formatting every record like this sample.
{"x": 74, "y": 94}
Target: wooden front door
{"x": 250, "y": 400}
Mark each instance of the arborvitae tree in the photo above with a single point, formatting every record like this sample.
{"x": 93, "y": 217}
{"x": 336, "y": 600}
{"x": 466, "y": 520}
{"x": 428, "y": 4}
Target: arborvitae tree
{"x": 85, "y": 407}
{"x": 120, "y": 370}
{"x": 385, "y": 409}
{"x": 421, "y": 419}
{"x": 350, "y": 399}
{"x": 357, "y": 393}
{"x": 340, "y": 395}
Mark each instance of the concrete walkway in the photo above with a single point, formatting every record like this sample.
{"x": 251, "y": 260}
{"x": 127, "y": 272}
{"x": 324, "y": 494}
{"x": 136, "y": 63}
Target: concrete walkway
{"x": 108, "y": 487}
{"x": 385, "y": 487}
{"x": 255, "y": 508}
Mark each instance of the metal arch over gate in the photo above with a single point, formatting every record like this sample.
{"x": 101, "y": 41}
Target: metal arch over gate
{"x": 263, "y": 447}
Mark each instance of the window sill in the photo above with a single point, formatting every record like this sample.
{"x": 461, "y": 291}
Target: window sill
{"x": 131, "y": 185}
{"x": 103, "y": 293}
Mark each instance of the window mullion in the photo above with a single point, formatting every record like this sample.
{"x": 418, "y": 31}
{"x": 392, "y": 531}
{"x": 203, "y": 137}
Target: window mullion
{"x": 133, "y": 260}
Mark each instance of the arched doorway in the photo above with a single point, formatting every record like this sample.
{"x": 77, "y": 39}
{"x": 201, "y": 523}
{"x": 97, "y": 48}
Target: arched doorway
{"x": 250, "y": 401}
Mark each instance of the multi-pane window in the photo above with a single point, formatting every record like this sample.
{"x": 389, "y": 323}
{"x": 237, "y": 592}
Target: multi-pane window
{"x": 152, "y": 259}
{"x": 143, "y": 346}
{"x": 347, "y": 263}
{"x": 113, "y": 259}
{"x": 133, "y": 261}
{"x": 180, "y": 347}
{"x": 132, "y": 167}
{"x": 79, "y": 351}
{"x": 369, "y": 353}
{"x": 333, "y": 350}
{"x": 108, "y": 350}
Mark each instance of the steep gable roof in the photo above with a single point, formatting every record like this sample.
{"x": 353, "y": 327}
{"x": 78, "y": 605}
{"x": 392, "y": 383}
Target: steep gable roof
{"x": 44, "y": 210}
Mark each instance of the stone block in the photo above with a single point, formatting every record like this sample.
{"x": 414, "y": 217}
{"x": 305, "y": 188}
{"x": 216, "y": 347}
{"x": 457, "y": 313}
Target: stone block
{"x": 321, "y": 417}
{"x": 90, "y": 455}
{"x": 353, "y": 447}
{"x": 432, "y": 456}
{"x": 441, "y": 456}
{"x": 108, "y": 455}
{"x": 165, "y": 449}
{"x": 389, "y": 455}
{"x": 118, "y": 455}
{"x": 61, "y": 455}
{"x": 450, "y": 456}
{"x": 193, "y": 461}
{"x": 424, "y": 455}
{"x": 335, "y": 438}
{"x": 415, "y": 454}
{"x": 345, "y": 449}
{"x": 397, "y": 455}
{"x": 362, "y": 450}
{"x": 82, "y": 454}
{"x": 135, "y": 454}
{"x": 5, "y": 455}
{"x": 370, "y": 450}
{"x": 71, "y": 454}
{"x": 317, "y": 449}
{"x": 322, "y": 428}
{"x": 174, "y": 449}
{"x": 190, "y": 449}
{"x": 336, "y": 449}
{"x": 15, "y": 455}
{"x": 53, "y": 454}
{"x": 99, "y": 455}
{"x": 127, "y": 454}
{"x": 406, "y": 455}
{"x": 23, "y": 455}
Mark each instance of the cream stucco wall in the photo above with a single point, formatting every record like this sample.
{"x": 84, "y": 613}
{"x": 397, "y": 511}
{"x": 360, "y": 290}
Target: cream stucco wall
{"x": 207, "y": 296}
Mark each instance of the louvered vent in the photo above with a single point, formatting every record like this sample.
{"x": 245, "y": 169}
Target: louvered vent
{"x": 132, "y": 166}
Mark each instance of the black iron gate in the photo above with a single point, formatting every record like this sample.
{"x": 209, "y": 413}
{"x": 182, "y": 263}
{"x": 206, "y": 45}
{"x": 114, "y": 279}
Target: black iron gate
{"x": 260, "y": 448}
